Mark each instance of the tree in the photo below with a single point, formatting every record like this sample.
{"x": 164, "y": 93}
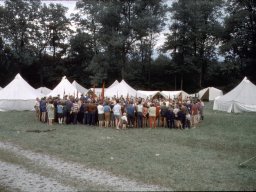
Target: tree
{"x": 239, "y": 37}
{"x": 81, "y": 54}
{"x": 193, "y": 36}
{"x": 58, "y": 26}
{"x": 16, "y": 24}
{"x": 117, "y": 27}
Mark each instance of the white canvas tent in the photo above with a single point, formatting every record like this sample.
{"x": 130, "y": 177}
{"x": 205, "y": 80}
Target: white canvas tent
{"x": 239, "y": 99}
{"x": 18, "y": 95}
{"x": 209, "y": 93}
{"x": 79, "y": 87}
{"x": 1, "y": 88}
{"x": 44, "y": 90}
{"x": 97, "y": 91}
{"x": 113, "y": 84}
{"x": 64, "y": 88}
{"x": 146, "y": 94}
{"x": 121, "y": 89}
{"x": 174, "y": 94}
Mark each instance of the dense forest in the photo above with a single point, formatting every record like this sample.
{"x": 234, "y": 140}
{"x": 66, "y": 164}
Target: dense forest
{"x": 209, "y": 43}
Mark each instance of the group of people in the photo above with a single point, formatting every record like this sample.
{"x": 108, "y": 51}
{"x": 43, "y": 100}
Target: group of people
{"x": 120, "y": 113}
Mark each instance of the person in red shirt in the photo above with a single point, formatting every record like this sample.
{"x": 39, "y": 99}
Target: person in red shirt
{"x": 194, "y": 114}
{"x": 158, "y": 114}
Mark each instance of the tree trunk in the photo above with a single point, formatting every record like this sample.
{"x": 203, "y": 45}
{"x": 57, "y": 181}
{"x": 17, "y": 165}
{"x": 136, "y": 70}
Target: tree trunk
{"x": 175, "y": 82}
{"x": 181, "y": 81}
{"x": 200, "y": 77}
{"x": 41, "y": 70}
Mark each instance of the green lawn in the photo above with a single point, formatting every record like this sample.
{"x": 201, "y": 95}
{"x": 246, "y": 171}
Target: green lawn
{"x": 205, "y": 158}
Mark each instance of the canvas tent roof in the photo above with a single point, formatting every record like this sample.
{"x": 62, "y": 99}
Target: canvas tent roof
{"x": 79, "y": 87}
{"x": 64, "y": 88}
{"x": 121, "y": 89}
{"x": 239, "y": 99}
{"x": 209, "y": 93}
{"x": 97, "y": 91}
{"x": 174, "y": 94}
{"x": 146, "y": 94}
{"x": 114, "y": 83}
{"x": 18, "y": 95}
{"x": 44, "y": 90}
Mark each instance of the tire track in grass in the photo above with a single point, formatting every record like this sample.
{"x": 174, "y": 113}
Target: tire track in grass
{"x": 78, "y": 171}
{"x": 16, "y": 177}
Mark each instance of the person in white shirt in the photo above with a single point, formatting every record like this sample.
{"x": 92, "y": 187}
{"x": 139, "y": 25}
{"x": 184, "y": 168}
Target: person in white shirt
{"x": 124, "y": 121}
{"x": 37, "y": 108}
{"x": 100, "y": 109}
{"x": 117, "y": 113}
{"x": 139, "y": 109}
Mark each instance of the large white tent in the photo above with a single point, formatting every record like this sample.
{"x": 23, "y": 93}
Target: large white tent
{"x": 64, "y": 88}
{"x": 121, "y": 89}
{"x": 209, "y": 93}
{"x": 114, "y": 83}
{"x": 79, "y": 87}
{"x": 146, "y": 94}
{"x": 239, "y": 99}
{"x": 18, "y": 95}
{"x": 174, "y": 94}
{"x": 44, "y": 90}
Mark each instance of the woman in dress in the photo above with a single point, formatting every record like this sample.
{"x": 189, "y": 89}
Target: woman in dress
{"x": 50, "y": 111}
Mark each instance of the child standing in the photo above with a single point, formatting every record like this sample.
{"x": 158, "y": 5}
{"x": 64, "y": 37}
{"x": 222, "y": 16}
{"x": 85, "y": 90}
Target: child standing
{"x": 60, "y": 112}
{"x": 188, "y": 120}
{"x": 124, "y": 121}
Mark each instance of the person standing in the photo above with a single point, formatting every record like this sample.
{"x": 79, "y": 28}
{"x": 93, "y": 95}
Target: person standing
{"x": 68, "y": 107}
{"x": 139, "y": 114}
{"x": 170, "y": 118}
{"x": 117, "y": 113}
{"x": 194, "y": 114}
{"x": 37, "y": 108}
{"x": 201, "y": 109}
{"x": 43, "y": 109}
{"x": 60, "y": 112}
{"x": 163, "y": 110}
{"x": 124, "y": 121}
{"x": 152, "y": 115}
{"x": 145, "y": 115}
{"x": 86, "y": 113}
{"x": 130, "y": 109}
{"x": 158, "y": 114}
{"x": 107, "y": 110}
{"x": 50, "y": 111}
{"x": 75, "y": 109}
{"x": 100, "y": 110}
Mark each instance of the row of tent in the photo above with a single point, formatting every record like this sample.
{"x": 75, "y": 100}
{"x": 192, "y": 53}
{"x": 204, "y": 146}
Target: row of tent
{"x": 19, "y": 95}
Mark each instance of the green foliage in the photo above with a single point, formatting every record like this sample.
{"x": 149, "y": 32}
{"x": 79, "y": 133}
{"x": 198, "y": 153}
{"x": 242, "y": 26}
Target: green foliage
{"x": 194, "y": 37}
{"x": 118, "y": 26}
{"x": 116, "y": 40}
{"x": 239, "y": 37}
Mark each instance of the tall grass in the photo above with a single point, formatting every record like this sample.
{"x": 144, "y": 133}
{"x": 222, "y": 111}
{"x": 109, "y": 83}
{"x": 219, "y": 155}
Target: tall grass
{"x": 205, "y": 158}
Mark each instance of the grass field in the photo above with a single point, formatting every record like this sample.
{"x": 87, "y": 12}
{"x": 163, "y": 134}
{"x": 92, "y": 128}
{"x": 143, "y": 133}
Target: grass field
{"x": 204, "y": 158}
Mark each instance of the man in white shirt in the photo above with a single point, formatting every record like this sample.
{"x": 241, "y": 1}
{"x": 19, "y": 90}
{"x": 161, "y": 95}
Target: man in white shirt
{"x": 100, "y": 109}
{"x": 117, "y": 113}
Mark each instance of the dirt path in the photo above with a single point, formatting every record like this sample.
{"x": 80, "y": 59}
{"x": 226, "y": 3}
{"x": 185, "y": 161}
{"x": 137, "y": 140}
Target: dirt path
{"x": 16, "y": 176}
